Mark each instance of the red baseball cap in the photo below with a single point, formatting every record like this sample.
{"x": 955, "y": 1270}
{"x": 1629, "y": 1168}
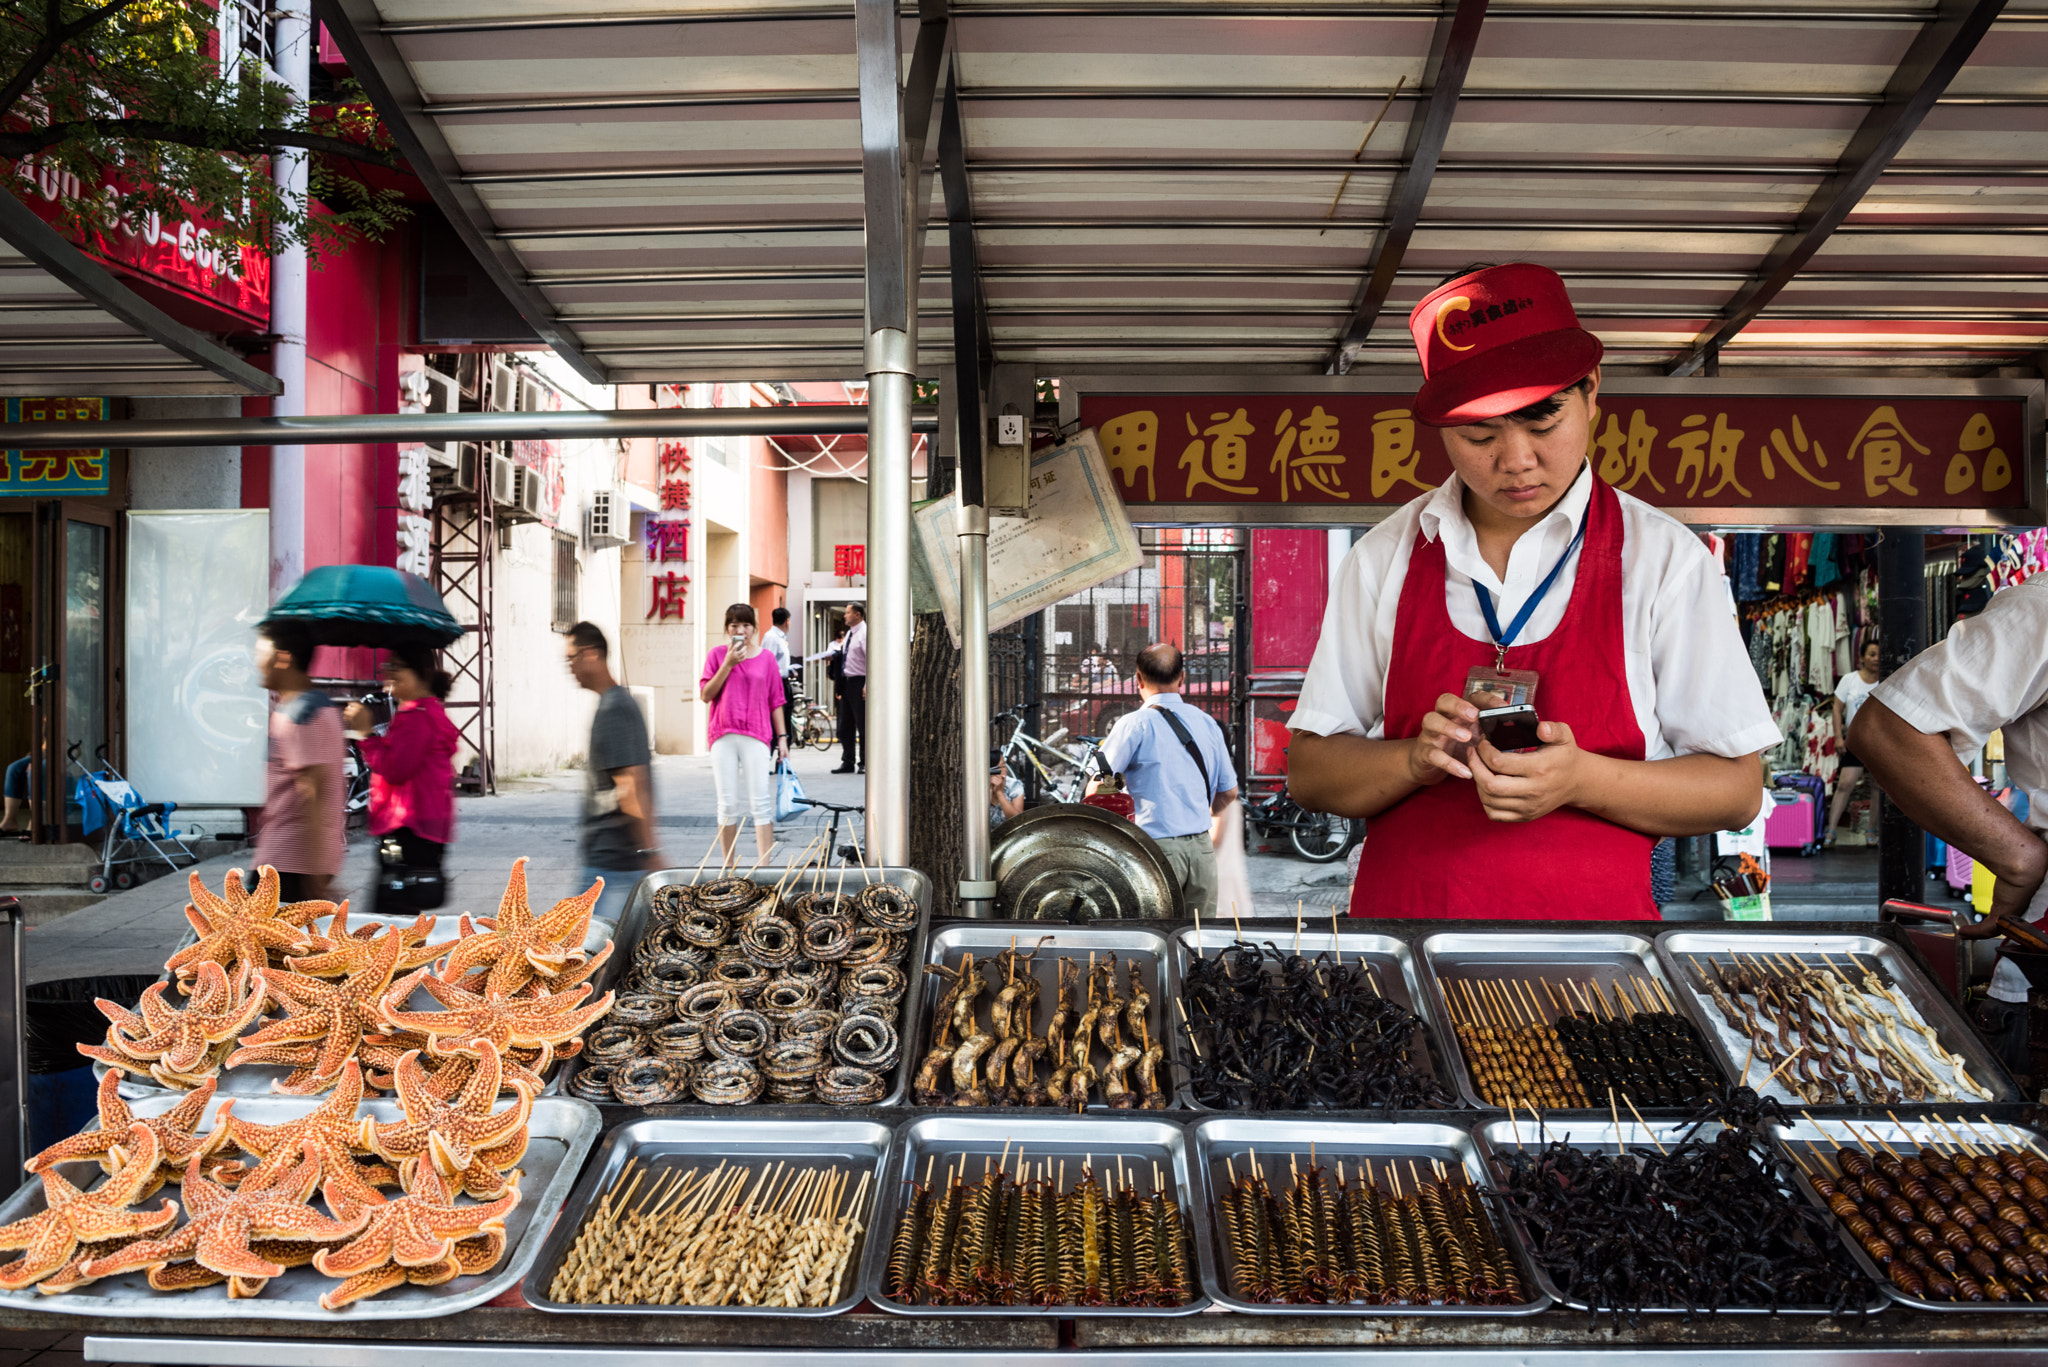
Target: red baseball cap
{"x": 1495, "y": 341}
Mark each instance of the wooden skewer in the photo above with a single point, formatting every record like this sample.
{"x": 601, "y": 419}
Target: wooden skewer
{"x": 1646, "y": 1126}
{"x": 698, "y": 877}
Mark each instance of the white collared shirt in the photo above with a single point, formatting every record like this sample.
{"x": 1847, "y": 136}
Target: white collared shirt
{"x": 1689, "y": 676}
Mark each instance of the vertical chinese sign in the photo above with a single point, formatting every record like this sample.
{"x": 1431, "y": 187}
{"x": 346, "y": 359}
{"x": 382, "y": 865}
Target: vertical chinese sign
{"x": 47, "y": 474}
{"x": 668, "y": 537}
{"x": 1707, "y": 449}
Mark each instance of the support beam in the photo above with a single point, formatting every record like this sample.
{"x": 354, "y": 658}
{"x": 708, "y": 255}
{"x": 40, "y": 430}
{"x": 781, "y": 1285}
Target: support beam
{"x": 374, "y": 60}
{"x": 1450, "y": 57}
{"x": 1902, "y": 634}
{"x": 42, "y": 244}
{"x": 973, "y": 357}
{"x": 371, "y": 429}
{"x": 1943, "y": 45}
{"x": 894, "y": 124}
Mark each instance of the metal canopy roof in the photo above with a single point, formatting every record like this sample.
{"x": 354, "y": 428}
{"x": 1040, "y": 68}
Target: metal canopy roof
{"x": 674, "y": 190}
{"x": 67, "y": 326}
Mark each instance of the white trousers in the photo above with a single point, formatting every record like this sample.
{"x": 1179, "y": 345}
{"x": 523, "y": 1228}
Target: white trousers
{"x": 740, "y": 768}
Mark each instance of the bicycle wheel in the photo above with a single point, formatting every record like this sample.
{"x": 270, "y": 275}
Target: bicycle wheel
{"x": 1321, "y": 838}
{"x": 822, "y": 729}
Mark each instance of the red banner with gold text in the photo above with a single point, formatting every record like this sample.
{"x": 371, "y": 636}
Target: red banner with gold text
{"x": 1676, "y": 451}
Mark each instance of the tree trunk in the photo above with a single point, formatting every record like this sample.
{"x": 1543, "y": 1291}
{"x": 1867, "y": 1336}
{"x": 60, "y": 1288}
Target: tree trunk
{"x": 935, "y": 761}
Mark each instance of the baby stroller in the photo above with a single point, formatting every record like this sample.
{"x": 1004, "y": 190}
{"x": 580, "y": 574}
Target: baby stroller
{"x": 134, "y": 831}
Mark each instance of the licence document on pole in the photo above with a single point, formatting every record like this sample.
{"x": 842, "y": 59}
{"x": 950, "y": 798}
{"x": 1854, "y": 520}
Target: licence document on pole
{"x": 1075, "y": 535}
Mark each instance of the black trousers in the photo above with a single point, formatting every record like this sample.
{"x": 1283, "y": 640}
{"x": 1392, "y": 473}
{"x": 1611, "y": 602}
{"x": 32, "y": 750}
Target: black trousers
{"x": 416, "y": 853}
{"x": 853, "y": 719}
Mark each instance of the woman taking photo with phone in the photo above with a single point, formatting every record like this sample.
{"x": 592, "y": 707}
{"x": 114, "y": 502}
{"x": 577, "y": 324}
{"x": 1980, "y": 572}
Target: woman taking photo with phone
{"x": 1596, "y": 628}
{"x": 745, "y": 692}
{"x": 412, "y": 783}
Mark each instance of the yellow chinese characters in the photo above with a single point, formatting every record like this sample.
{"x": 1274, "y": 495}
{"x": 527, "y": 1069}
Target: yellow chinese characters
{"x": 1394, "y": 454}
{"x": 1308, "y": 452}
{"x": 1704, "y": 453}
{"x": 1962, "y": 468}
{"x": 1130, "y": 441}
{"x": 1625, "y": 458}
{"x": 1791, "y": 451}
{"x": 1215, "y": 465}
{"x": 1881, "y": 443}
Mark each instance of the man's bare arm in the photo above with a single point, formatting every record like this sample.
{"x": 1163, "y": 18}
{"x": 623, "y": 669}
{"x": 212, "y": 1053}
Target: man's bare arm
{"x": 636, "y": 799}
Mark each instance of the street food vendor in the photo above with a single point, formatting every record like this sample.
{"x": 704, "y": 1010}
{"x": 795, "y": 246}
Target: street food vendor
{"x": 1595, "y": 632}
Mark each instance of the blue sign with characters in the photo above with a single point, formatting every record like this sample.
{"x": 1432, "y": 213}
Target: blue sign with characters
{"x": 39, "y": 474}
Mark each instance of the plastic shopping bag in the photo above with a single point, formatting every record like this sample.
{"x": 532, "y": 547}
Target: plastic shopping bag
{"x": 789, "y": 794}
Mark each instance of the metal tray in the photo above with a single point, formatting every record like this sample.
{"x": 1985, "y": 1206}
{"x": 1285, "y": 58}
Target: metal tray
{"x": 1801, "y": 1136}
{"x": 1604, "y": 1136}
{"x": 1393, "y": 961}
{"x": 1216, "y": 1138}
{"x": 563, "y": 1129}
{"x": 1552, "y": 956}
{"x": 633, "y": 925}
{"x": 256, "y": 1079}
{"x": 985, "y": 939}
{"x": 1677, "y": 949}
{"x": 1142, "y": 1139}
{"x": 753, "y": 1139}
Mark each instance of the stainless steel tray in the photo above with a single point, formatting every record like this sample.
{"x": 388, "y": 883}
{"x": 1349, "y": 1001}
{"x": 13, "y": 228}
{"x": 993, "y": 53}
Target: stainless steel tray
{"x": 256, "y": 1079}
{"x": 1555, "y": 957}
{"x": 1218, "y": 1138}
{"x": 1393, "y": 961}
{"x": 1803, "y": 1136}
{"x": 1141, "y": 1139}
{"x": 1604, "y": 1136}
{"x": 563, "y": 1129}
{"x": 633, "y": 925}
{"x": 1680, "y": 948}
{"x": 985, "y": 939}
{"x": 753, "y": 1139}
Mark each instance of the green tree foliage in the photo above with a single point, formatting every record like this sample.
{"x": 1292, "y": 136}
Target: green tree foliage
{"x": 129, "y": 104}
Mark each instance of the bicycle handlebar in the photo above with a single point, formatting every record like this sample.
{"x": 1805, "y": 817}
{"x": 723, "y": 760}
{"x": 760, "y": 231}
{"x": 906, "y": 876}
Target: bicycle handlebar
{"x": 829, "y": 806}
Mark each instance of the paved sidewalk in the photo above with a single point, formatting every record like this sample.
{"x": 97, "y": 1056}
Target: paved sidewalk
{"x": 135, "y": 931}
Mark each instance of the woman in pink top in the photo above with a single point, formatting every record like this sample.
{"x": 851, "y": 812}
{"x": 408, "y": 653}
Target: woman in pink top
{"x": 412, "y": 783}
{"x": 745, "y": 692}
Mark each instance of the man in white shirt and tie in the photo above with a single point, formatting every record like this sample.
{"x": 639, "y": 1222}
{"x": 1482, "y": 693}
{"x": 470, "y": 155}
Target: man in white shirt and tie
{"x": 853, "y": 692}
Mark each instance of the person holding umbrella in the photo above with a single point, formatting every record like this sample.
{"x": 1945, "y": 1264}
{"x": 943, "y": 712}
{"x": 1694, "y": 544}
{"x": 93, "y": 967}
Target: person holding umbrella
{"x": 412, "y": 782}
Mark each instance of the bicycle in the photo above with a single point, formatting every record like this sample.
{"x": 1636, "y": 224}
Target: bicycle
{"x": 1319, "y": 837}
{"x": 1024, "y": 748}
{"x": 810, "y": 724}
{"x": 848, "y": 854}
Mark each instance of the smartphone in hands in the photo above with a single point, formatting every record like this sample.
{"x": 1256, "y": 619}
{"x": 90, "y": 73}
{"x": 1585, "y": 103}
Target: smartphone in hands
{"x": 1510, "y": 728}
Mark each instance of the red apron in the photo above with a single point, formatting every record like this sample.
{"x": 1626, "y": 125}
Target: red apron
{"x": 1435, "y": 853}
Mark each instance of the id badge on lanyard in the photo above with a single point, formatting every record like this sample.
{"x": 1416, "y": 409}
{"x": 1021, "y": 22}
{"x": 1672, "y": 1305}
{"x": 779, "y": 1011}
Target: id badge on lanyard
{"x": 1495, "y": 685}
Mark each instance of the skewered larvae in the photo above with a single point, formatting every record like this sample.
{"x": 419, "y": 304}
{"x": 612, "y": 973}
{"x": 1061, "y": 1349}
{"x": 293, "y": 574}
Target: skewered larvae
{"x": 1961, "y": 1221}
{"x": 1023, "y": 1237}
{"x": 967, "y": 1065}
{"x": 1399, "y": 1232}
{"x": 1538, "y": 1046}
{"x": 779, "y": 1236}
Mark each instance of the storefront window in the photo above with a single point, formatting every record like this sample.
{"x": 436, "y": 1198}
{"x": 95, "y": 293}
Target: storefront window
{"x": 85, "y": 642}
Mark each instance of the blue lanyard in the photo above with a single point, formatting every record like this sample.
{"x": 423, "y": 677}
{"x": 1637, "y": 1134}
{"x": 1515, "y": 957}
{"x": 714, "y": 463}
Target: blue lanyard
{"x": 1503, "y": 639}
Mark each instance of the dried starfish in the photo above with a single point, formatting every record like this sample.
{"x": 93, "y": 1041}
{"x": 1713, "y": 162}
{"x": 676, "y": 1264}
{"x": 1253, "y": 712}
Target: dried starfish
{"x": 506, "y": 1022}
{"x": 466, "y": 1138}
{"x": 415, "y": 1239}
{"x": 330, "y": 1128}
{"x": 237, "y": 928}
{"x": 174, "y": 1129}
{"x": 217, "y": 1011}
{"x": 341, "y": 952}
{"x": 71, "y": 1217}
{"x": 545, "y": 985}
{"x": 516, "y": 946}
{"x": 335, "y": 1015}
{"x": 270, "y": 1203}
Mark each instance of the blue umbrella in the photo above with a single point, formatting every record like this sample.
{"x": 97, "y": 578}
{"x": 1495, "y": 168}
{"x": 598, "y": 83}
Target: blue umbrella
{"x": 366, "y": 605}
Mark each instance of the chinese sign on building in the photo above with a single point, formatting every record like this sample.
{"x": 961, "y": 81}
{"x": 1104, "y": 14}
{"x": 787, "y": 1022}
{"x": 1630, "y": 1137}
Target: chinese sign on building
{"x": 850, "y": 561}
{"x": 668, "y": 544}
{"x": 1702, "y": 450}
{"x": 39, "y": 474}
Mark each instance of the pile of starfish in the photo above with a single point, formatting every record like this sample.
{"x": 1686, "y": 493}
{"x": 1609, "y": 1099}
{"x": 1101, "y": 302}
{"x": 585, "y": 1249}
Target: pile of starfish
{"x": 517, "y": 980}
{"x": 250, "y": 1218}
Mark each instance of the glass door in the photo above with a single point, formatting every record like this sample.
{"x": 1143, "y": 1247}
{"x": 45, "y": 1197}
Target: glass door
{"x": 75, "y": 647}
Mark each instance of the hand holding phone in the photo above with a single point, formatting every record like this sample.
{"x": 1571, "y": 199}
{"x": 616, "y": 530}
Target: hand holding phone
{"x": 1510, "y": 728}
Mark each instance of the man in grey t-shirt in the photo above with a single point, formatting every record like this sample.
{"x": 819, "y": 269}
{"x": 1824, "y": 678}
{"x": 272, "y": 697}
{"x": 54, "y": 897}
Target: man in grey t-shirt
{"x": 619, "y": 841}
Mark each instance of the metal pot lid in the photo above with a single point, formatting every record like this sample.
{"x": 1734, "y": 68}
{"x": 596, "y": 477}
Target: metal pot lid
{"x": 1073, "y": 862}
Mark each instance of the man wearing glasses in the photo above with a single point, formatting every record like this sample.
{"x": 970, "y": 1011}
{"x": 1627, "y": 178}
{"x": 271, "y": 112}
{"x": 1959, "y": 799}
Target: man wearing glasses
{"x": 619, "y": 841}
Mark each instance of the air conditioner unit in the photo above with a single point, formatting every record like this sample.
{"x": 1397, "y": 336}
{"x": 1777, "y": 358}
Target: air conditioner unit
{"x": 466, "y": 457}
{"x": 604, "y": 524}
{"x": 529, "y": 494}
{"x": 444, "y": 395}
{"x": 533, "y": 395}
{"x": 504, "y": 388}
{"x": 504, "y": 482}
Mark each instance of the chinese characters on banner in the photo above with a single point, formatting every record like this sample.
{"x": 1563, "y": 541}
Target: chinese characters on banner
{"x": 1675, "y": 451}
{"x": 668, "y": 542}
{"x": 849, "y": 561}
{"x": 38, "y": 474}
{"x": 415, "y": 501}
{"x": 673, "y": 465}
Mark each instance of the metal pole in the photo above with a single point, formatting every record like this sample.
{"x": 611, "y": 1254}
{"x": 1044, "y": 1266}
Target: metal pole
{"x": 891, "y": 382}
{"x": 977, "y": 889}
{"x": 1902, "y": 618}
{"x": 294, "y": 65}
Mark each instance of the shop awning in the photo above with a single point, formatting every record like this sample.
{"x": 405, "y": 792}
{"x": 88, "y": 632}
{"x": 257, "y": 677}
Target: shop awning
{"x": 67, "y": 326}
{"x": 674, "y": 190}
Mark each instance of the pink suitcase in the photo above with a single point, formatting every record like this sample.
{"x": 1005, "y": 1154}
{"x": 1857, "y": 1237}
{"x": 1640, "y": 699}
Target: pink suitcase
{"x": 1789, "y": 825}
